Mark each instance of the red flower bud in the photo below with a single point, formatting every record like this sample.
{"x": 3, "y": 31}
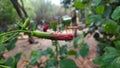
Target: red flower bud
{"x": 45, "y": 27}
{"x": 65, "y": 37}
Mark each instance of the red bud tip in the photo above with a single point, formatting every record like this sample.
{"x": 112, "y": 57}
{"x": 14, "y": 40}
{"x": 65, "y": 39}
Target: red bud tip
{"x": 65, "y": 37}
{"x": 45, "y": 27}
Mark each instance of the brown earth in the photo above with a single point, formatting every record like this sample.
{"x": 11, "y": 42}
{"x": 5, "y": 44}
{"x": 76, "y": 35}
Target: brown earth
{"x": 26, "y": 48}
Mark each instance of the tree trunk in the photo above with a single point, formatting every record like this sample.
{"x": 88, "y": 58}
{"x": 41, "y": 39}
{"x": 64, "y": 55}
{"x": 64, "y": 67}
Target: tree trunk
{"x": 18, "y": 9}
{"x": 22, "y": 14}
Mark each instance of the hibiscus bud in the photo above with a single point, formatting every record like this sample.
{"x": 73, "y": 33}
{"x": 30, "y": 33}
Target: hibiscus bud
{"x": 45, "y": 27}
{"x": 65, "y": 37}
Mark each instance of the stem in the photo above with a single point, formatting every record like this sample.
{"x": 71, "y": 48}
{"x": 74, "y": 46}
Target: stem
{"x": 6, "y": 33}
{"x": 14, "y": 35}
{"x": 57, "y": 52}
{"x": 2, "y": 66}
{"x": 11, "y": 37}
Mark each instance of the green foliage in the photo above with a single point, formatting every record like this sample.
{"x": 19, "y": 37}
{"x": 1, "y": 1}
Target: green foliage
{"x": 72, "y": 52}
{"x": 53, "y": 25}
{"x": 29, "y": 8}
{"x": 2, "y": 61}
{"x": 35, "y": 55}
{"x": 7, "y": 12}
{"x": 98, "y": 60}
{"x": 110, "y": 59}
{"x": 7, "y": 43}
{"x": 63, "y": 50}
{"x": 2, "y": 66}
{"x": 84, "y": 50}
{"x": 66, "y": 22}
{"x": 51, "y": 63}
{"x": 117, "y": 43}
{"x": 12, "y": 61}
{"x": 67, "y": 63}
{"x": 79, "y": 5}
{"x": 100, "y": 15}
{"x": 110, "y": 27}
{"x": 107, "y": 11}
{"x": 96, "y": 2}
{"x": 100, "y": 9}
{"x": 116, "y": 13}
{"x": 104, "y": 17}
{"x": 26, "y": 23}
{"x": 2, "y": 49}
{"x": 1, "y": 40}
{"x": 11, "y": 44}
{"x": 43, "y": 10}
{"x": 93, "y": 19}
{"x": 116, "y": 63}
{"x": 77, "y": 40}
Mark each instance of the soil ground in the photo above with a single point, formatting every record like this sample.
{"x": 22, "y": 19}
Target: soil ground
{"x": 22, "y": 45}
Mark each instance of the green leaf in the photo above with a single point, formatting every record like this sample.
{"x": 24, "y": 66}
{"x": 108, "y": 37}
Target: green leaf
{"x": 3, "y": 66}
{"x": 11, "y": 44}
{"x": 1, "y": 40}
{"x": 55, "y": 43}
{"x": 87, "y": 21}
{"x": 63, "y": 57}
{"x": 96, "y": 2}
{"x": 35, "y": 55}
{"x": 12, "y": 61}
{"x": 117, "y": 44}
{"x": 17, "y": 57}
{"x": 72, "y": 52}
{"x": 79, "y": 5}
{"x": 2, "y": 61}
{"x": 116, "y": 13}
{"x": 107, "y": 11}
{"x": 34, "y": 26}
{"x": 77, "y": 39}
{"x": 67, "y": 63}
{"x": 51, "y": 63}
{"x": 84, "y": 50}
{"x": 110, "y": 27}
{"x": 2, "y": 49}
{"x": 113, "y": 1}
{"x": 66, "y": 22}
{"x": 108, "y": 58}
{"x": 116, "y": 63}
{"x": 53, "y": 25}
{"x": 110, "y": 54}
{"x": 19, "y": 24}
{"x": 111, "y": 21}
{"x": 110, "y": 50}
{"x": 78, "y": 55}
{"x": 93, "y": 19}
{"x": 98, "y": 60}
{"x": 100, "y": 9}
{"x": 63, "y": 50}
{"x": 75, "y": 42}
{"x": 26, "y": 23}
{"x": 48, "y": 51}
